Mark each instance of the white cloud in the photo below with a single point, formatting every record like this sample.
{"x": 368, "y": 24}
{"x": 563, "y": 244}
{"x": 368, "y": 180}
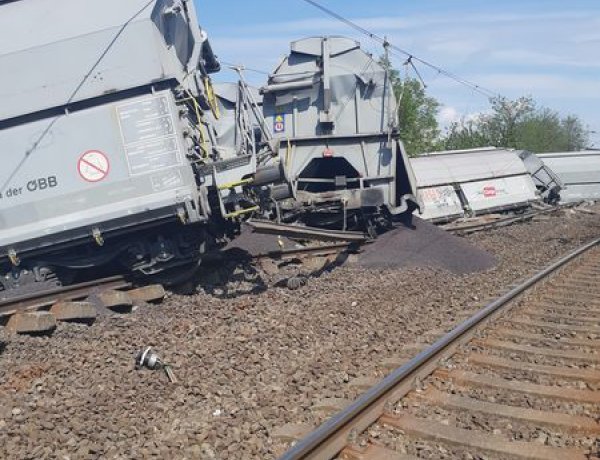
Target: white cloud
{"x": 448, "y": 115}
{"x": 586, "y": 39}
{"x": 418, "y": 22}
{"x": 541, "y": 58}
{"x": 552, "y": 56}
{"x": 542, "y": 84}
{"x": 453, "y": 41}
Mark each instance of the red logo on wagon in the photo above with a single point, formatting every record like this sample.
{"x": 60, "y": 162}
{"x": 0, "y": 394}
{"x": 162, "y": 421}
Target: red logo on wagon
{"x": 489, "y": 191}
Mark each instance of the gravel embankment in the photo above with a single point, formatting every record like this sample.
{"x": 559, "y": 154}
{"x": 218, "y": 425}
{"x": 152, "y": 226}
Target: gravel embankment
{"x": 246, "y": 364}
{"x": 544, "y": 433}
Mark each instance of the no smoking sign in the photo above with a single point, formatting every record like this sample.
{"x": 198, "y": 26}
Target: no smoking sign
{"x": 93, "y": 166}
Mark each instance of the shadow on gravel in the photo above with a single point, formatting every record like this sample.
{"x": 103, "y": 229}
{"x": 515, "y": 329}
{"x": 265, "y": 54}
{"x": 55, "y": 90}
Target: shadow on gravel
{"x": 237, "y": 280}
{"x": 297, "y": 282}
{"x": 2, "y": 347}
{"x": 228, "y": 275}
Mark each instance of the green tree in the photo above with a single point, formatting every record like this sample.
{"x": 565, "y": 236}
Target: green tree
{"x": 417, "y": 117}
{"x": 417, "y": 113}
{"x": 541, "y": 132}
{"x": 464, "y": 134}
{"x": 518, "y": 124}
{"x": 577, "y": 136}
{"x": 502, "y": 126}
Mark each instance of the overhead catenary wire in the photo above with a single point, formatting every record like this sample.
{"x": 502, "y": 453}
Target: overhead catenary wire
{"x": 488, "y": 93}
{"x": 236, "y": 67}
{"x": 409, "y": 62}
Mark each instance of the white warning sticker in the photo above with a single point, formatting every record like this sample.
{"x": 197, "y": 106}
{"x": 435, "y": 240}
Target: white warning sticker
{"x": 149, "y": 135}
{"x": 93, "y": 166}
{"x": 279, "y": 124}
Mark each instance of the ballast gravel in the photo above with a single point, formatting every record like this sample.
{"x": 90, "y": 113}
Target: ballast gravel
{"x": 426, "y": 245}
{"x": 246, "y": 364}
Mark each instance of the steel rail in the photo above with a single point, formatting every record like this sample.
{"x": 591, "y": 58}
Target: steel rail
{"x": 232, "y": 255}
{"x": 308, "y": 251}
{"x": 312, "y": 233}
{"x": 504, "y": 222}
{"x": 46, "y": 298}
{"x": 332, "y": 436}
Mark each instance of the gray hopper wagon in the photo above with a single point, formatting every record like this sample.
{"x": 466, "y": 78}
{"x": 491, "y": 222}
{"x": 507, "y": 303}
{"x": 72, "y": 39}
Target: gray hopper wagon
{"x": 331, "y": 109}
{"x": 109, "y": 154}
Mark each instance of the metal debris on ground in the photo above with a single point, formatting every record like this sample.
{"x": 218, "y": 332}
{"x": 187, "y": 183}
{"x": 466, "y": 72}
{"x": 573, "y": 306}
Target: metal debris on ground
{"x": 296, "y": 282}
{"x": 150, "y": 360}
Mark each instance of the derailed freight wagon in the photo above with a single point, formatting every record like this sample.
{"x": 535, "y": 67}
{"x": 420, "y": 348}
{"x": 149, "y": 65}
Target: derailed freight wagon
{"x": 119, "y": 156}
{"x": 453, "y": 184}
{"x": 547, "y": 182}
{"x": 331, "y": 110}
{"x": 107, "y": 142}
{"x": 579, "y": 172}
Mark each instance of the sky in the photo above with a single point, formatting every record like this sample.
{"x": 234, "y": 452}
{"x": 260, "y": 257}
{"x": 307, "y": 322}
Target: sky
{"x": 546, "y": 49}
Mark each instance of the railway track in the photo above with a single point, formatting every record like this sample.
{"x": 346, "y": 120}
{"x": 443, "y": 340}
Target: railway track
{"x": 44, "y": 300}
{"x": 308, "y": 251}
{"x": 39, "y": 312}
{"x": 466, "y": 228}
{"x": 518, "y": 380}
